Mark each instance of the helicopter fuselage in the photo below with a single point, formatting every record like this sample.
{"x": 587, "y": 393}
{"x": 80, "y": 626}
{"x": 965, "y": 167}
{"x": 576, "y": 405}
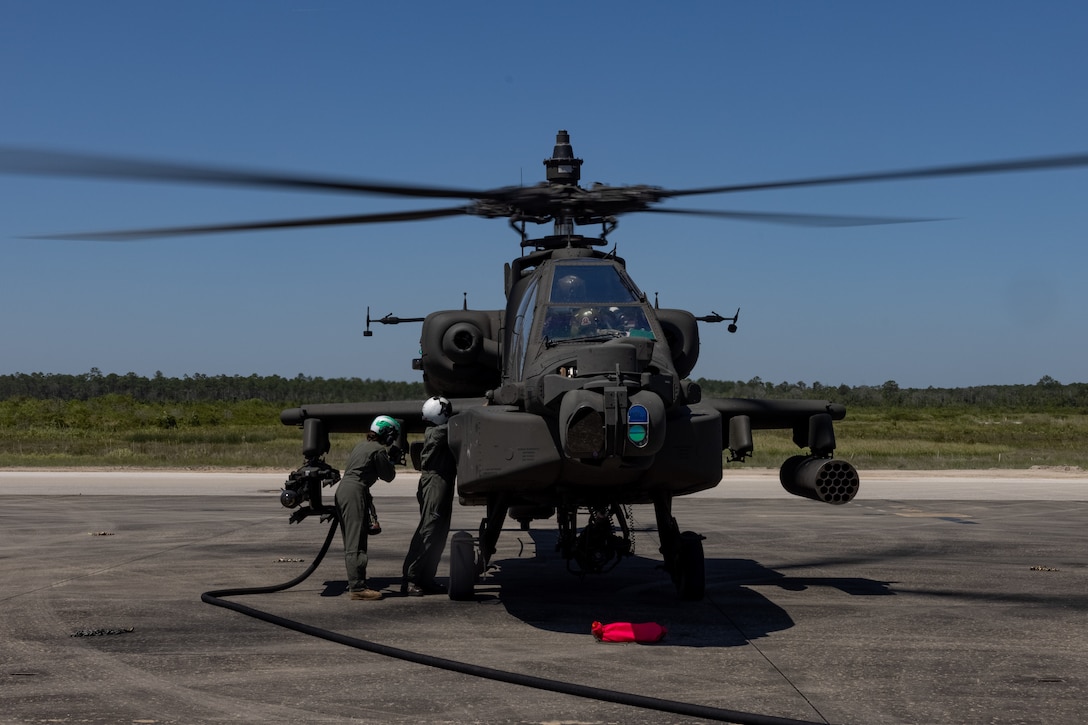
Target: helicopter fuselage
{"x": 591, "y": 405}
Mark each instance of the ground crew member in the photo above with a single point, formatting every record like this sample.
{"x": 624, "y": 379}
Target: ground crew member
{"x": 438, "y": 469}
{"x": 370, "y": 460}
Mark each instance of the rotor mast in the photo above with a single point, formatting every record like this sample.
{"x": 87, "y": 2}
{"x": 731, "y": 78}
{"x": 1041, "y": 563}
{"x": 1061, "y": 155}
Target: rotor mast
{"x": 563, "y": 169}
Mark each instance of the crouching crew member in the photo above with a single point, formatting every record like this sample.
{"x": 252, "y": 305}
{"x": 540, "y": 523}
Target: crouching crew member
{"x": 370, "y": 460}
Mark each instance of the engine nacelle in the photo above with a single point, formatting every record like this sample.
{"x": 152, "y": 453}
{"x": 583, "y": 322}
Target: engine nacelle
{"x": 682, "y": 336}
{"x": 820, "y": 479}
{"x": 460, "y": 353}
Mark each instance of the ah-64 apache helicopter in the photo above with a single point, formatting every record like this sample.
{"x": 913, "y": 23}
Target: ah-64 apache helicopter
{"x": 575, "y": 400}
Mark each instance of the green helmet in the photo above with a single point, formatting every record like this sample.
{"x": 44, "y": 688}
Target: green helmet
{"x": 385, "y": 429}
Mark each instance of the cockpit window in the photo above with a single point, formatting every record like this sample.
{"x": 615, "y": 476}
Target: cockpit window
{"x": 563, "y": 322}
{"x": 592, "y": 301}
{"x": 591, "y": 284}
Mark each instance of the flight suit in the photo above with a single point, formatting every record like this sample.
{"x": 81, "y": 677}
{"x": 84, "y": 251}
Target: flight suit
{"x": 435, "y": 495}
{"x": 368, "y": 462}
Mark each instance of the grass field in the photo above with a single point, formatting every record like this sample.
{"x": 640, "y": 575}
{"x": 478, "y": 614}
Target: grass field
{"x": 248, "y": 436}
{"x": 934, "y": 439}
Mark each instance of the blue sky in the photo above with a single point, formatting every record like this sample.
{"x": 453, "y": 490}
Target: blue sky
{"x": 471, "y": 95}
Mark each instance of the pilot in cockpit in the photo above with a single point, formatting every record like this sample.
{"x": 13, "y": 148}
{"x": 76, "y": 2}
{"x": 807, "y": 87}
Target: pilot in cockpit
{"x": 559, "y": 323}
{"x": 586, "y": 321}
{"x": 570, "y": 317}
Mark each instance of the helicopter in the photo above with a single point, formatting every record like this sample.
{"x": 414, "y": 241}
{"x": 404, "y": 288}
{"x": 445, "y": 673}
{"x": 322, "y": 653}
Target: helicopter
{"x": 574, "y": 401}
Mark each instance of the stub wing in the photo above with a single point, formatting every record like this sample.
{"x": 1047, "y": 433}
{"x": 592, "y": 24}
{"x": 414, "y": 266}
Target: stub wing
{"x": 809, "y": 420}
{"x": 770, "y": 414}
{"x": 816, "y": 475}
{"x": 356, "y": 417}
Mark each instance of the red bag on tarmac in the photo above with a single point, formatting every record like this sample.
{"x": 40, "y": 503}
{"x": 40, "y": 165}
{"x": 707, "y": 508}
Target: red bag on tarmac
{"x": 629, "y": 632}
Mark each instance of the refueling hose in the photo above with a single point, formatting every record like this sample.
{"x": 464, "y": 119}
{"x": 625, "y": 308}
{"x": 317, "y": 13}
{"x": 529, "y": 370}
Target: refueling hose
{"x": 539, "y": 683}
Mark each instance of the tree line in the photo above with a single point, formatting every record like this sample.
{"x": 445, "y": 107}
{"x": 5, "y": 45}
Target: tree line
{"x": 1046, "y": 394}
{"x": 204, "y": 388}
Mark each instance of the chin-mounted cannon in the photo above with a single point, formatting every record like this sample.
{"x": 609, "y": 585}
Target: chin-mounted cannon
{"x": 302, "y": 490}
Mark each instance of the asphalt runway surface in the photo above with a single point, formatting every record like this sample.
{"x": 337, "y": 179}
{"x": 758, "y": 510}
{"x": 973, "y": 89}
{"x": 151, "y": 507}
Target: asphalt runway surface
{"x": 932, "y": 598}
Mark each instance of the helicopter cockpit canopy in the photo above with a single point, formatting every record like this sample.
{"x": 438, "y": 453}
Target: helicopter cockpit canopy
{"x": 588, "y": 300}
{"x": 591, "y": 283}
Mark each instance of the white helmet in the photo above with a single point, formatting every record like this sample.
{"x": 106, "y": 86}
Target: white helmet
{"x": 386, "y": 429}
{"x": 437, "y": 410}
{"x": 570, "y": 288}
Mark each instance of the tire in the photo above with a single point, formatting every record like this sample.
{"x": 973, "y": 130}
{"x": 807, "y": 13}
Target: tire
{"x": 691, "y": 572}
{"x": 462, "y": 567}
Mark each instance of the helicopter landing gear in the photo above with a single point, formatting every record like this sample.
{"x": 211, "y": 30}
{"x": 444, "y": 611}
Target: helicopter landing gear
{"x": 463, "y": 572}
{"x": 690, "y": 575}
{"x": 682, "y": 552}
{"x": 603, "y": 542}
{"x": 469, "y": 557}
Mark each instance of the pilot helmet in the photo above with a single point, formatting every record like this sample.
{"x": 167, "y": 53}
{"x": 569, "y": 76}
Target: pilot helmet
{"x": 570, "y": 288}
{"x": 617, "y": 317}
{"x": 437, "y": 410}
{"x": 585, "y": 318}
{"x": 385, "y": 429}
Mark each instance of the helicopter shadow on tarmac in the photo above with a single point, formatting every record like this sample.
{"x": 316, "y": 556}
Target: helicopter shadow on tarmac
{"x": 536, "y": 588}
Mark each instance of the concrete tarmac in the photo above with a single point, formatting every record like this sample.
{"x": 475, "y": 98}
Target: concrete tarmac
{"x": 956, "y": 597}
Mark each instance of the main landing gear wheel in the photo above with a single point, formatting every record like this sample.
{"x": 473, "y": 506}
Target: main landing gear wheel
{"x": 691, "y": 569}
{"x": 462, "y": 567}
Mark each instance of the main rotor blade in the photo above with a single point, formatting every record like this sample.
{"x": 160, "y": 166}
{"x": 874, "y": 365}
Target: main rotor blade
{"x": 139, "y": 234}
{"x": 994, "y": 167}
{"x": 803, "y": 220}
{"x": 60, "y": 163}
